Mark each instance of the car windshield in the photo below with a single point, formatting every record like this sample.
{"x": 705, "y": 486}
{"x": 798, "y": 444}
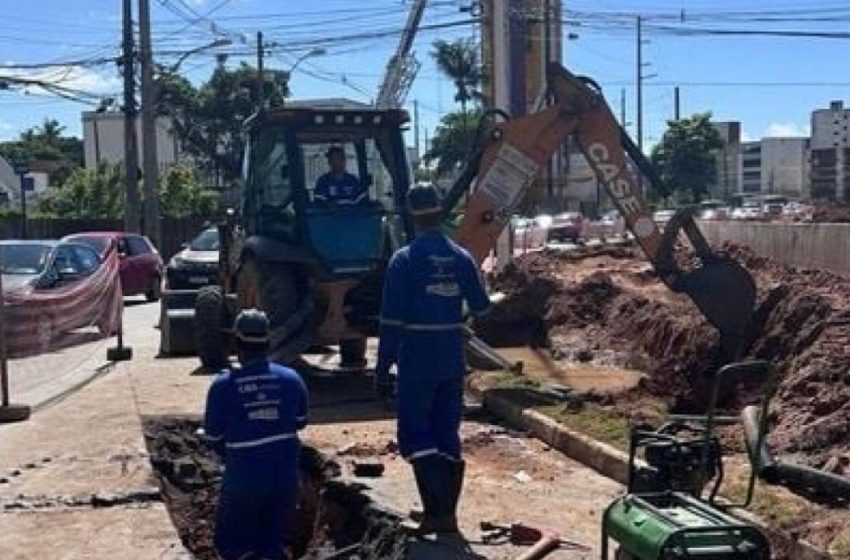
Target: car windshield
{"x": 97, "y": 242}
{"x": 207, "y": 240}
{"x": 24, "y": 258}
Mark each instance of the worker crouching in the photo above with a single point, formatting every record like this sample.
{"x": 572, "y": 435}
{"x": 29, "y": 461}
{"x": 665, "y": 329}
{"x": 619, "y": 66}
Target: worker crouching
{"x": 252, "y": 418}
{"x": 425, "y": 288}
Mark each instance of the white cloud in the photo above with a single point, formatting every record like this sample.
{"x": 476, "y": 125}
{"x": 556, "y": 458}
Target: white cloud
{"x": 5, "y": 126}
{"x": 787, "y": 129}
{"x": 747, "y": 137}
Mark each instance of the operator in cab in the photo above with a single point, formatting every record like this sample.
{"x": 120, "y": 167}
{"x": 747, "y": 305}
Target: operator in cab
{"x": 337, "y": 187}
{"x": 252, "y": 419}
{"x": 422, "y": 321}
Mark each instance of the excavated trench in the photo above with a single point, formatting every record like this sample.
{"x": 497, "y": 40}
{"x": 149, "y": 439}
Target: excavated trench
{"x": 608, "y": 306}
{"x": 334, "y": 519}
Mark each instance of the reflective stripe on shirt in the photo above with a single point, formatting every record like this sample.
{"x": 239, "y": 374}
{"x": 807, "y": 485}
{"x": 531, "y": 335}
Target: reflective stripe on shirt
{"x": 259, "y": 442}
{"x": 422, "y": 326}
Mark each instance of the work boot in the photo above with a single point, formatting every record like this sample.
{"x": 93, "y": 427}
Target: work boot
{"x": 446, "y": 522}
{"x": 431, "y": 482}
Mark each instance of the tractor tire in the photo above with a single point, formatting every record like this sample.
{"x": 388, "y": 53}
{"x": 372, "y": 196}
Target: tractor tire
{"x": 274, "y": 289}
{"x": 210, "y": 323}
{"x": 352, "y": 354}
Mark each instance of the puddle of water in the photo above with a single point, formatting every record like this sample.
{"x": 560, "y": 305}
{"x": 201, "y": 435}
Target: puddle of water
{"x": 539, "y": 365}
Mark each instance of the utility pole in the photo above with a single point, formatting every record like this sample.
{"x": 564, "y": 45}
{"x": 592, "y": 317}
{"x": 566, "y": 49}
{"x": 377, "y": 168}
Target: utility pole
{"x": 639, "y": 97}
{"x": 416, "y": 129}
{"x": 623, "y": 108}
{"x": 261, "y": 102}
{"x": 677, "y": 114}
{"x": 150, "y": 159}
{"x": 131, "y": 148}
{"x": 547, "y": 56}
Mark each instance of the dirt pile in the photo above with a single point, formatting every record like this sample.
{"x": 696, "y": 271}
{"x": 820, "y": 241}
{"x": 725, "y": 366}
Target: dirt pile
{"x": 333, "y": 517}
{"x": 610, "y": 303}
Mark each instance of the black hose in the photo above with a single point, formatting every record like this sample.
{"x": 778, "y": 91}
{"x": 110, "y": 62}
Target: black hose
{"x": 812, "y": 483}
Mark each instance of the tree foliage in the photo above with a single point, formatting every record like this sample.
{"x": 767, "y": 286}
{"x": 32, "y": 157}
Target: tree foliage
{"x": 208, "y": 120}
{"x": 685, "y": 157}
{"x": 99, "y": 193}
{"x": 458, "y": 60}
{"x": 181, "y": 194}
{"x": 46, "y": 142}
{"x": 452, "y": 142}
{"x": 88, "y": 193}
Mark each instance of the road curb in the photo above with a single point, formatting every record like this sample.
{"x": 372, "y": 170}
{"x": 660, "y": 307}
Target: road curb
{"x": 605, "y": 459}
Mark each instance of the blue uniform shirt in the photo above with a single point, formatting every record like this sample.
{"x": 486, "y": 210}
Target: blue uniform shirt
{"x": 345, "y": 189}
{"x": 252, "y": 417}
{"x": 422, "y": 311}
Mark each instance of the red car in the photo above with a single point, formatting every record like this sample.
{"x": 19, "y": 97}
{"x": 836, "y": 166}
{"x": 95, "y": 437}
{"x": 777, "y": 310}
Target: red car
{"x": 141, "y": 265}
{"x": 566, "y": 227}
{"x": 55, "y": 293}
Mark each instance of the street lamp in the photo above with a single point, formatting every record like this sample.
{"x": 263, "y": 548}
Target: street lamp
{"x": 310, "y": 54}
{"x": 223, "y": 42}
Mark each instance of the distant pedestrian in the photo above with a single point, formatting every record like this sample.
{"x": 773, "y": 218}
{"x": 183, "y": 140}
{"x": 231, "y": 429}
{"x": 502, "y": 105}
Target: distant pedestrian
{"x": 426, "y": 285}
{"x": 252, "y": 418}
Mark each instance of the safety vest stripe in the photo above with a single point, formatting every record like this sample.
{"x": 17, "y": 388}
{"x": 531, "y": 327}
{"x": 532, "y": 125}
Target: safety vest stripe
{"x": 422, "y": 326}
{"x": 422, "y": 453}
{"x": 213, "y": 438}
{"x": 259, "y": 442}
{"x": 254, "y": 378}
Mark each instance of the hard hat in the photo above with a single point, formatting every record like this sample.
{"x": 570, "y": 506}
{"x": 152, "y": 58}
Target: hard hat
{"x": 424, "y": 199}
{"x": 251, "y": 325}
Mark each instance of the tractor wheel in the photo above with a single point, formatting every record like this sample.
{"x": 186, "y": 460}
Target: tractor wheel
{"x": 273, "y": 288}
{"x": 352, "y": 354}
{"x": 210, "y": 322}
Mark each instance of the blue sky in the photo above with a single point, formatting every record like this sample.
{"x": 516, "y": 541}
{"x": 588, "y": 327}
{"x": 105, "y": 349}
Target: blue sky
{"x": 708, "y": 68}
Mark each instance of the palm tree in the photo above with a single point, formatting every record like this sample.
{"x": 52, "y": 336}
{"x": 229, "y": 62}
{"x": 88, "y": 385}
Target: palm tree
{"x": 51, "y": 131}
{"x": 458, "y": 60}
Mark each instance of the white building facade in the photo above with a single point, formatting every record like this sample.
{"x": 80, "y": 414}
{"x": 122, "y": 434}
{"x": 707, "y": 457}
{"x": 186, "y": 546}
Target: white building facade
{"x": 103, "y": 139}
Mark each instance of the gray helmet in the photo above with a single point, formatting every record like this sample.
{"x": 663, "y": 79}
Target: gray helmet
{"x": 251, "y": 325}
{"x": 424, "y": 199}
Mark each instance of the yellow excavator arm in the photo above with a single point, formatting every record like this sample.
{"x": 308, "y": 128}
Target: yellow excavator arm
{"x": 512, "y": 155}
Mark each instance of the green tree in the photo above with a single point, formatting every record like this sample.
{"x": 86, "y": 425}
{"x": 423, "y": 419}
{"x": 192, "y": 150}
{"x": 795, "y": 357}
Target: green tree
{"x": 46, "y": 142}
{"x": 208, "y": 120}
{"x": 458, "y": 60}
{"x": 686, "y": 158}
{"x": 181, "y": 194}
{"x": 88, "y": 193}
{"x": 451, "y": 143}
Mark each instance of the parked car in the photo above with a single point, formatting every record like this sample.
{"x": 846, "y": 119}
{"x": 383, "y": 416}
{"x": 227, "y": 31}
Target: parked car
{"x": 774, "y": 205}
{"x": 197, "y": 264}
{"x": 51, "y": 288}
{"x": 141, "y": 265}
{"x": 530, "y": 233}
{"x": 747, "y": 213}
{"x": 566, "y": 227}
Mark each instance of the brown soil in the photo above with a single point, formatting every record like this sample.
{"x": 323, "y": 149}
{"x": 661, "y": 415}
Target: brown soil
{"x": 610, "y": 304}
{"x": 332, "y": 516}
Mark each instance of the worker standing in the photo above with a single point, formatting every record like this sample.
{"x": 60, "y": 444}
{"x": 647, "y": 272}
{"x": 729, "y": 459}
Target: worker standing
{"x": 252, "y": 418}
{"x": 426, "y": 285}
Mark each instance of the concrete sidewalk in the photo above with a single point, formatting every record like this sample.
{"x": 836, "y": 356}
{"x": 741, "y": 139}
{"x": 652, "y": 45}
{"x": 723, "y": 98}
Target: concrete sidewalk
{"x": 75, "y": 480}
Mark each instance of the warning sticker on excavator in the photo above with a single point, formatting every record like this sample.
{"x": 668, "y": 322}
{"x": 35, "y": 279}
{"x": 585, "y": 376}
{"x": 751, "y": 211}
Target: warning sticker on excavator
{"x": 510, "y": 174}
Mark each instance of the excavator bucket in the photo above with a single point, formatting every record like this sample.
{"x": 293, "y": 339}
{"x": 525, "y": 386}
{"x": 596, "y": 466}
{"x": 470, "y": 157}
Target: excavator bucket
{"x": 722, "y": 289}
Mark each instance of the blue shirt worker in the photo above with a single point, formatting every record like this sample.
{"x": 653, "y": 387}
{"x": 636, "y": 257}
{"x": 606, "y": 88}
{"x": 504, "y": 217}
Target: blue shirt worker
{"x": 252, "y": 418}
{"x": 422, "y": 316}
{"x": 337, "y": 186}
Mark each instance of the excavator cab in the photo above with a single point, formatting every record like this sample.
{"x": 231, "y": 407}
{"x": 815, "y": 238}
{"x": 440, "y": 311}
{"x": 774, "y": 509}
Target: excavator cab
{"x": 313, "y": 263}
{"x": 287, "y": 156}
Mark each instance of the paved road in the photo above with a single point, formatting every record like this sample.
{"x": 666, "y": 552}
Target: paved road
{"x": 39, "y": 380}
